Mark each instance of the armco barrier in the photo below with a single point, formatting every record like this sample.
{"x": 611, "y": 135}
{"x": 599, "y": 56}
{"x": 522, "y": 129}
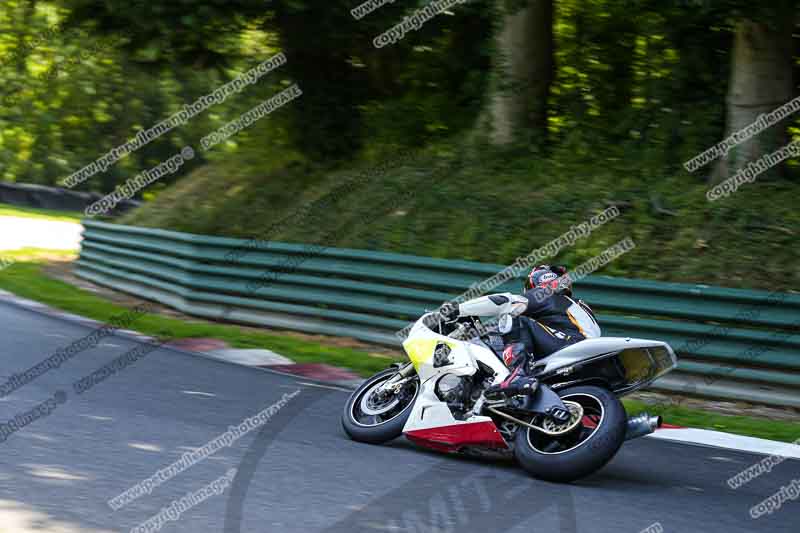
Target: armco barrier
{"x": 732, "y": 343}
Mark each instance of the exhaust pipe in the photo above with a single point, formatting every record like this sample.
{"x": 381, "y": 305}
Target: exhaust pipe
{"x": 644, "y": 424}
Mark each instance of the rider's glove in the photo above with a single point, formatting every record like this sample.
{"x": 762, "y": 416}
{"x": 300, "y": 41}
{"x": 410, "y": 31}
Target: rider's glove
{"x": 449, "y": 311}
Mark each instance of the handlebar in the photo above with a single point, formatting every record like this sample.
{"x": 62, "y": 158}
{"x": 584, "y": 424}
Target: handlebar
{"x": 459, "y": 328}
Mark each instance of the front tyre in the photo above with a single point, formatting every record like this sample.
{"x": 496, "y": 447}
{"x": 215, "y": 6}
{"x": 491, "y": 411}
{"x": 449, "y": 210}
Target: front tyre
{"x": 374, "y": 417}
{"x": 582, "y": 451}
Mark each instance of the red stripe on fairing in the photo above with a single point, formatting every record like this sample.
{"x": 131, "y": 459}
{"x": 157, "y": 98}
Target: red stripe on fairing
{"x": 451, "y": 438}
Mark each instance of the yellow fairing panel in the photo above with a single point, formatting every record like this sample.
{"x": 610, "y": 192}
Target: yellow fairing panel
{"x": 420, "y": 350}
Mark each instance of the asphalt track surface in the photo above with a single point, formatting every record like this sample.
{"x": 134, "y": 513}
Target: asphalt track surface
{"x": 299, "y": 472}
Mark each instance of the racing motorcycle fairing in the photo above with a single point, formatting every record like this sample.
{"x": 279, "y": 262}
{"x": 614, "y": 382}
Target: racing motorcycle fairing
{"x": 432, "y": 424}
{"x": 624, "y": 365}
{"x": 455, "y": 356}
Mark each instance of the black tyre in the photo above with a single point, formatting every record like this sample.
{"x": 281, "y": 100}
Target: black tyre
{"x": 375, "y": 419}
{"x": 581, "y": 451}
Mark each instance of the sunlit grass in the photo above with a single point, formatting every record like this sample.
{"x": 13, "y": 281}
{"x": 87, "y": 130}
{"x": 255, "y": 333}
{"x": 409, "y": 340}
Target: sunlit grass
{"x": 44, "y": 214}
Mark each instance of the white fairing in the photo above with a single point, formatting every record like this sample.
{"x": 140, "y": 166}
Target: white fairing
{"x": 429, "y": 411}
{"x": 585, "y": 322}
{"x": 586, "y": 349}
{"x": 513, "y": 305}
{"x": 461, "y": 359}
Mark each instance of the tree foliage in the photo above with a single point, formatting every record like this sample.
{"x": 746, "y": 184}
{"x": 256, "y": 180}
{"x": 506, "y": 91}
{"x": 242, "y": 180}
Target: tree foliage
{"x": 639, "y": 81}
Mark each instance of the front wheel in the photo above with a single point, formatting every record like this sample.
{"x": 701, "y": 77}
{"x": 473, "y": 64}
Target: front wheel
{"x": 376, "y": 417}
{"x": 584, "y": 449}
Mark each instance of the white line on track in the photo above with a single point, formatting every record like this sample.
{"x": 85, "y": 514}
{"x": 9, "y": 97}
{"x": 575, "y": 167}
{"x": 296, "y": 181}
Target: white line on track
{"x": 718, "y": 439}
{"x": 323, "y": 386}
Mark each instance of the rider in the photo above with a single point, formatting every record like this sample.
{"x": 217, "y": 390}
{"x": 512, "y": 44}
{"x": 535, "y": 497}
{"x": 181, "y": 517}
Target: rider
{"x": 544, "y": 320}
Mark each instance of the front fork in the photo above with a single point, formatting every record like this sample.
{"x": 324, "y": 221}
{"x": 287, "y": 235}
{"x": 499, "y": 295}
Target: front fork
{"x": 396, "y": 382}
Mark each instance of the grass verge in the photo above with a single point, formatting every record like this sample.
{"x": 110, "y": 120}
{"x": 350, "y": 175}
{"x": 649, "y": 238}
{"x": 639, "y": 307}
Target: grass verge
{"x": 740, "y": 425}
{"x": 25, "y": 278}
{"x": 8, "y": 210}
{"x": 446, "y": 201}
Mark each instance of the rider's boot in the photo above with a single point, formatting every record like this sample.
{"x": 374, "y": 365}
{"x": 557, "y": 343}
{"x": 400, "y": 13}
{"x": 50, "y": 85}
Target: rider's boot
{"x": 518, "y": 382}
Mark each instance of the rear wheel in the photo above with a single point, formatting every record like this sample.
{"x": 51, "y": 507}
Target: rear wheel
{"x": 584, "y": 449}
{"x": 374, "y": 416}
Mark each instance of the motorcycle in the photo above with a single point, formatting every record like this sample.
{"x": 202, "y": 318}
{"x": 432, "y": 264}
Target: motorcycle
{"x": 570, "y": 426}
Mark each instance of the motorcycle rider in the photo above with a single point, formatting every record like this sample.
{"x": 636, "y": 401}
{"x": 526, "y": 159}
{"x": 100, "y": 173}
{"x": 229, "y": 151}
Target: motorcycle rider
{"x": 543, "y": 320}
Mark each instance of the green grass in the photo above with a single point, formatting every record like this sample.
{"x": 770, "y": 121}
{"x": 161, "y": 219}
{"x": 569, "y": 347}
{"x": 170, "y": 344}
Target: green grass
{"x": 740, "y": 425}
{"x": 38, "y": 255}
{"x": 484, "y": 205}
{"x": 44, "y": 214}
{"x": 25, "y": 278}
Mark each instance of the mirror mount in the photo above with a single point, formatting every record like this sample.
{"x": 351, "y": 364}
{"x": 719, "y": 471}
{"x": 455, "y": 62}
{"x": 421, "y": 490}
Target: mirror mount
{"x": 505, "y": 323}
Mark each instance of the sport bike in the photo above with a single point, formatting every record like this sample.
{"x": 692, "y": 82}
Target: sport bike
{"x": 567, "y": 427}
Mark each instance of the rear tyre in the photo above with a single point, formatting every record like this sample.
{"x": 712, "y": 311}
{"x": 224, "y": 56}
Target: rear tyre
{"x": 582, "y": 451}
{"x": 377, "y": 418}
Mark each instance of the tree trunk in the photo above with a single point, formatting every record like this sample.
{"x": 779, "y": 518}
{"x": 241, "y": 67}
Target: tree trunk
{"x": 522, "y": 74}
{"x": 761, "y": 80}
